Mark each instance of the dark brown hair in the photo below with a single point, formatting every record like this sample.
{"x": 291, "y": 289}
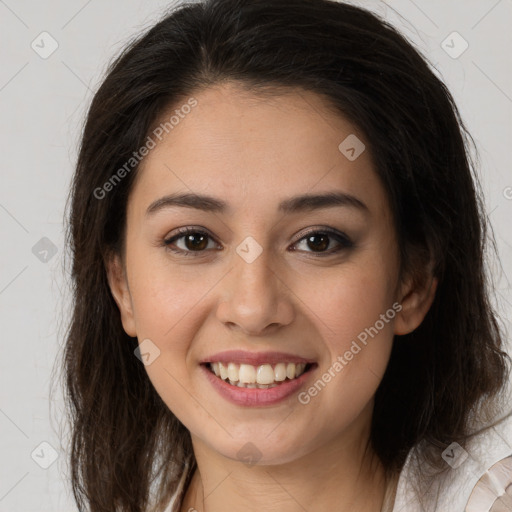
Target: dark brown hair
{"x": 126, "y": 445}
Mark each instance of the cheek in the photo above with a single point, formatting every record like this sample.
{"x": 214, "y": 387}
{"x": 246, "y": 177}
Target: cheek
{"x": 354, "y": 318}
{"x": 358, "y": 344}
{"x": 349, "y": 303}
{"x": 163, "y": 293}
{"x": 167, "y": 312}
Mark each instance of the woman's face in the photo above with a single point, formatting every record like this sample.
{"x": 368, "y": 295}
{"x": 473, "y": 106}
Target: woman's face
{"x": 256, "y": 279}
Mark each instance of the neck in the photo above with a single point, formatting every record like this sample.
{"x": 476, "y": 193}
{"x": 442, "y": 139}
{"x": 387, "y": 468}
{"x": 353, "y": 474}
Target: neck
{"x": 343, "y": 475}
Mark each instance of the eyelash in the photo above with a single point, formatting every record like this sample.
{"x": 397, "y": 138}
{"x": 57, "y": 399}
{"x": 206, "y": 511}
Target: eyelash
{"x": 342, "y": 239}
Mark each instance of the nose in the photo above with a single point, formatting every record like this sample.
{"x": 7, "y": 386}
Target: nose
{"x": 255, "y": 298}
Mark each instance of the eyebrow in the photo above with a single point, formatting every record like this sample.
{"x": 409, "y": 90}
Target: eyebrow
{"x": 296, "y": 204}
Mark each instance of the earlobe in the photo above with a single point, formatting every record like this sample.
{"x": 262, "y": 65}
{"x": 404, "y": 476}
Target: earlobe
{"x": 416, "y": 302}
{"x": 118, "y": 283}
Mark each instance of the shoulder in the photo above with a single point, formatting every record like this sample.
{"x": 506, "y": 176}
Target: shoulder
{"x": 475, "y": 478}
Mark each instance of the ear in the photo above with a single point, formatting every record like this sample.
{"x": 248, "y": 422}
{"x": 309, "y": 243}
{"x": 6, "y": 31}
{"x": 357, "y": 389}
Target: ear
{"x": 118, "y": 283}
{"x": 416, "y": 297}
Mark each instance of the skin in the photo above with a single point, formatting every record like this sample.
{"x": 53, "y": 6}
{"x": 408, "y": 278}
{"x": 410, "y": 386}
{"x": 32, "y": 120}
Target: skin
{"x": 252, "y": 153}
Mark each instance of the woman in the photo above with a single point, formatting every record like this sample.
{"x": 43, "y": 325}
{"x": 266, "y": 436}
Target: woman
{"x": 280, "y": 298}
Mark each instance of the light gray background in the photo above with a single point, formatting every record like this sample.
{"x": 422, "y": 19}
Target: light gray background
{"x": 42, "y": 104}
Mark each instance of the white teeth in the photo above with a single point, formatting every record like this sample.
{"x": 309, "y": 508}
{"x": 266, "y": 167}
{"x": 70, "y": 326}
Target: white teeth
{"x": 246, "y": 374}
{"x": 232, "y": 371}
{"x": 223, "y": 371}
{"x": 280, "y": 372}
{"x": 263, "y": 376}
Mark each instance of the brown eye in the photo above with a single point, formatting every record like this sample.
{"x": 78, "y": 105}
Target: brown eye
{"x": 320, "y": 241}
{"x": 194, "y": 240}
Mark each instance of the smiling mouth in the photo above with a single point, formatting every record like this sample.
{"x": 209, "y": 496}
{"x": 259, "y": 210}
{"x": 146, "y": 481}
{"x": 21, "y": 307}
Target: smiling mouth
{"x": 262, "y": 377}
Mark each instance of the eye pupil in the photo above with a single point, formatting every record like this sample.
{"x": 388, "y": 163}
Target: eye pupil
{"x": 194, "y": 238}
{"x": 324, "y": 244}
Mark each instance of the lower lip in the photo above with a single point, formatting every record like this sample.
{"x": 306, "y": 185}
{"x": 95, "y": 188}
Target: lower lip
{"x": 256, "y": 396}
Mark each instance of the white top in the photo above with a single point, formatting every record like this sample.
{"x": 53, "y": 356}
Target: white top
{"x": 488, "y": 458}
{"x": 478, "y": 477}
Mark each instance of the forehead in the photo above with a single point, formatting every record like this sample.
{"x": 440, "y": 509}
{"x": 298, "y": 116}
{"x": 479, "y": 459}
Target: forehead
{"x": 254, "y": 150}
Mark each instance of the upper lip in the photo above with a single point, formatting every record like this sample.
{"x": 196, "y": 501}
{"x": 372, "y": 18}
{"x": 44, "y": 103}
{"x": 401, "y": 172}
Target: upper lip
{"x": 254, "y": 358}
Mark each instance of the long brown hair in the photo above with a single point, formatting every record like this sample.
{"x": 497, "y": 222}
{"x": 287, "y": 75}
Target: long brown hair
{"x": 127, "y": 447}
